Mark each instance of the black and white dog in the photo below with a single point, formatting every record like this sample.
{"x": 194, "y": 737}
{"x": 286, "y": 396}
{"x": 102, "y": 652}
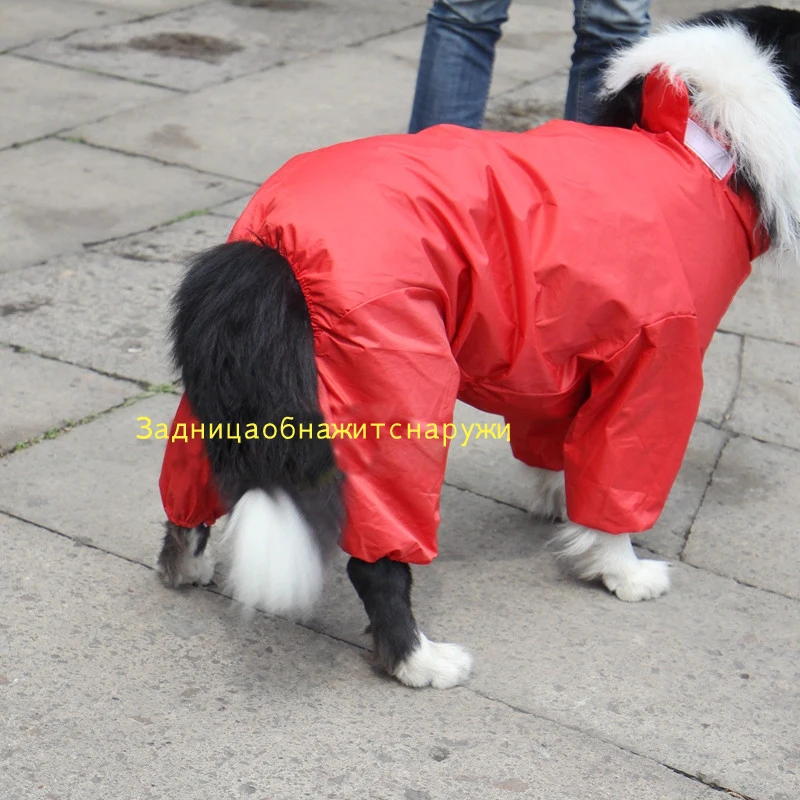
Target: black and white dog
{"x": 244, "y": 340}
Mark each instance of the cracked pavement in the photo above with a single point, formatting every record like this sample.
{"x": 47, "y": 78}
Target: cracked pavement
{"x": 134, "y": 131}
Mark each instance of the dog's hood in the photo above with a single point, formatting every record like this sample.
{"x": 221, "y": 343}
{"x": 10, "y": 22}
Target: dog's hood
{"x": 737, "y": 92}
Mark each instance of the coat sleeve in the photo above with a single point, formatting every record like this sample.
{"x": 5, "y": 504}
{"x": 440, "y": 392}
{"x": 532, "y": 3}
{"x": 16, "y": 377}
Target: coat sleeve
{"x": 390, "y": 376}
{"x": 187, "y": 486}
{"x": 626, "y": 444}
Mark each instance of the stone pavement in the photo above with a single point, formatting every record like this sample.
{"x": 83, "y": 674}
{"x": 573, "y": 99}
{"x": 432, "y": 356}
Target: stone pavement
{"x": 131, "y": 134}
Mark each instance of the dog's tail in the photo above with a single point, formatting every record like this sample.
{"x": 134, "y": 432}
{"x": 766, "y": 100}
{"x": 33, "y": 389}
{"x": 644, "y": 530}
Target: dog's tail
{"x": 242, "y": 339}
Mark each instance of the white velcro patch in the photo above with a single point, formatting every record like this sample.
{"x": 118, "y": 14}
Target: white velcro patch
{"x": 708, "y": 149}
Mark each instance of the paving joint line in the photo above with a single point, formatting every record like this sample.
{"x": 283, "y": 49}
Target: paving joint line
{"x": 737, "y": 385}
{"x": 211, "y": 588}
{"x": 94, "y": 247}
{"x": 740, "y": 435}
{"x": 75, "y": 540}
{"x": 739, "y": 582}
{"x": 487, "y": 497}
{"x": 600, "y": 738}
{"x": 70, "y": 425}
{"x": 35, "y": 140}
{"x": 161, "y": 162}
{"x": 525, "y": 83}
{"x": 386, "y": 34}
{"x": 144, "y": 16}
{"x": 145, "y": 386}
{"x": 729, "y": 435}
{"x": 758, "y": 337}
{"x": 100, "y": 73}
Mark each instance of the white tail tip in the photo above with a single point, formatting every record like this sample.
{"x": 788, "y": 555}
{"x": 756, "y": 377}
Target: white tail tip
{"x": 275, "y": 563}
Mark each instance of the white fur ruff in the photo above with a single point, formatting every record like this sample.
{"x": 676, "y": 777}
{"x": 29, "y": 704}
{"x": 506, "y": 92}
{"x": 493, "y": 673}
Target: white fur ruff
{"x": 737, "y": 93}
{"x": 434, "y": 664}
{"x": 610, "y": 557}
{"x": 275, "y": 563}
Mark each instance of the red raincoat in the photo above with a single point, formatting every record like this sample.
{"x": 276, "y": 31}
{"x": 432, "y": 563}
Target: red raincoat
{"x": 569, "y": 278}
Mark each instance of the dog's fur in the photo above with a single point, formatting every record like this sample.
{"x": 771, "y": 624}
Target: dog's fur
{"x": 243, "y": 342}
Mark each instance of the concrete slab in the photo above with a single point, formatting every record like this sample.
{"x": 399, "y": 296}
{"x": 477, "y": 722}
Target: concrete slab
{"x": 485, "y": 466}
{"x": 171, "y": 244}
{"x": 537, "y": 41}
{"x": 233, "y": 208}
{"x": 56, "y": 195}
{"x": 704, "y": 679}
{"x": 721, "y": 377}
{"x": 129, "y": 522}
{"x": 668, "y": 536}
{"x": 747, "y": 527}
{"x": 766, "y": 306}
{"x": 113, "y": 686}
{"x": 322, "y": 100}
{"x": 39, "y": 394}
{"x": 529, "y": 106}
{"x": 768, "y": 400}
{"x": 96, "y": 310}
{"x": 209, "y": 43}
{"x": 24, "y": 22}
{"x": 44, "y": 99}
{"x": 108, "y": 308}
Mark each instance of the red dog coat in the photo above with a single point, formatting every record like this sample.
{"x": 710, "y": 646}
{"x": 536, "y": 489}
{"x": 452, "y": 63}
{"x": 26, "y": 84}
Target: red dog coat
{"x": 569, "y": 279}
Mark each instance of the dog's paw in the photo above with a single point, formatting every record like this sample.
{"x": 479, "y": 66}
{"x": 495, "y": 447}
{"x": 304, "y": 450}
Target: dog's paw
{"x": 199, "y": 570}
{"x": 186, "y": 557}
{"x": 190, "y": 570}
{"x": 642, "y": 580}
{"x": 434, "y": 664}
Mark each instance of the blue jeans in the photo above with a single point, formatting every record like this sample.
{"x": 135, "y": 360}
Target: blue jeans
{"x": 455, "y": 70}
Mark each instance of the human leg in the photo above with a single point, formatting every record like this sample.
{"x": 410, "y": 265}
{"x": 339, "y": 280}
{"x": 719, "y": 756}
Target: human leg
{"x": 455, "y": 70}
{"x": 601, "y": 27}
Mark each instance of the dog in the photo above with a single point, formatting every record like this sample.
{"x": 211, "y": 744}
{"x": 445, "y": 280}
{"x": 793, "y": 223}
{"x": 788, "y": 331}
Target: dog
{"x": 569, "y": 279}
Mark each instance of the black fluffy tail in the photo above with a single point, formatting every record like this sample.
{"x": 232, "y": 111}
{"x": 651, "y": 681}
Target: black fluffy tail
{"x": 243, "y": 342}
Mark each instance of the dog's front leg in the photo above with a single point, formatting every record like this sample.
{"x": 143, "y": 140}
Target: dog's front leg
{"x": 592, "y": 554}
{"x": 610, "y": 557}
{"x": 401, "y": 648}
{"x": 186, "y": 556}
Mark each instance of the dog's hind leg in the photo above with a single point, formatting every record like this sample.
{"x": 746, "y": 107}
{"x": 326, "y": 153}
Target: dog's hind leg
{"x": 401, "y": 648}
{"x": 610, "y": 557}
{"x": 186, "y": 556}
{"x": 546, "y": 498}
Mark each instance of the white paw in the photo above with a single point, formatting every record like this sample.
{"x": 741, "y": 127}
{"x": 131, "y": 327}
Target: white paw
{"x": 197, "y": 570}
{"x": 641, "y": 580}
{"x": 435, "y": 664}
